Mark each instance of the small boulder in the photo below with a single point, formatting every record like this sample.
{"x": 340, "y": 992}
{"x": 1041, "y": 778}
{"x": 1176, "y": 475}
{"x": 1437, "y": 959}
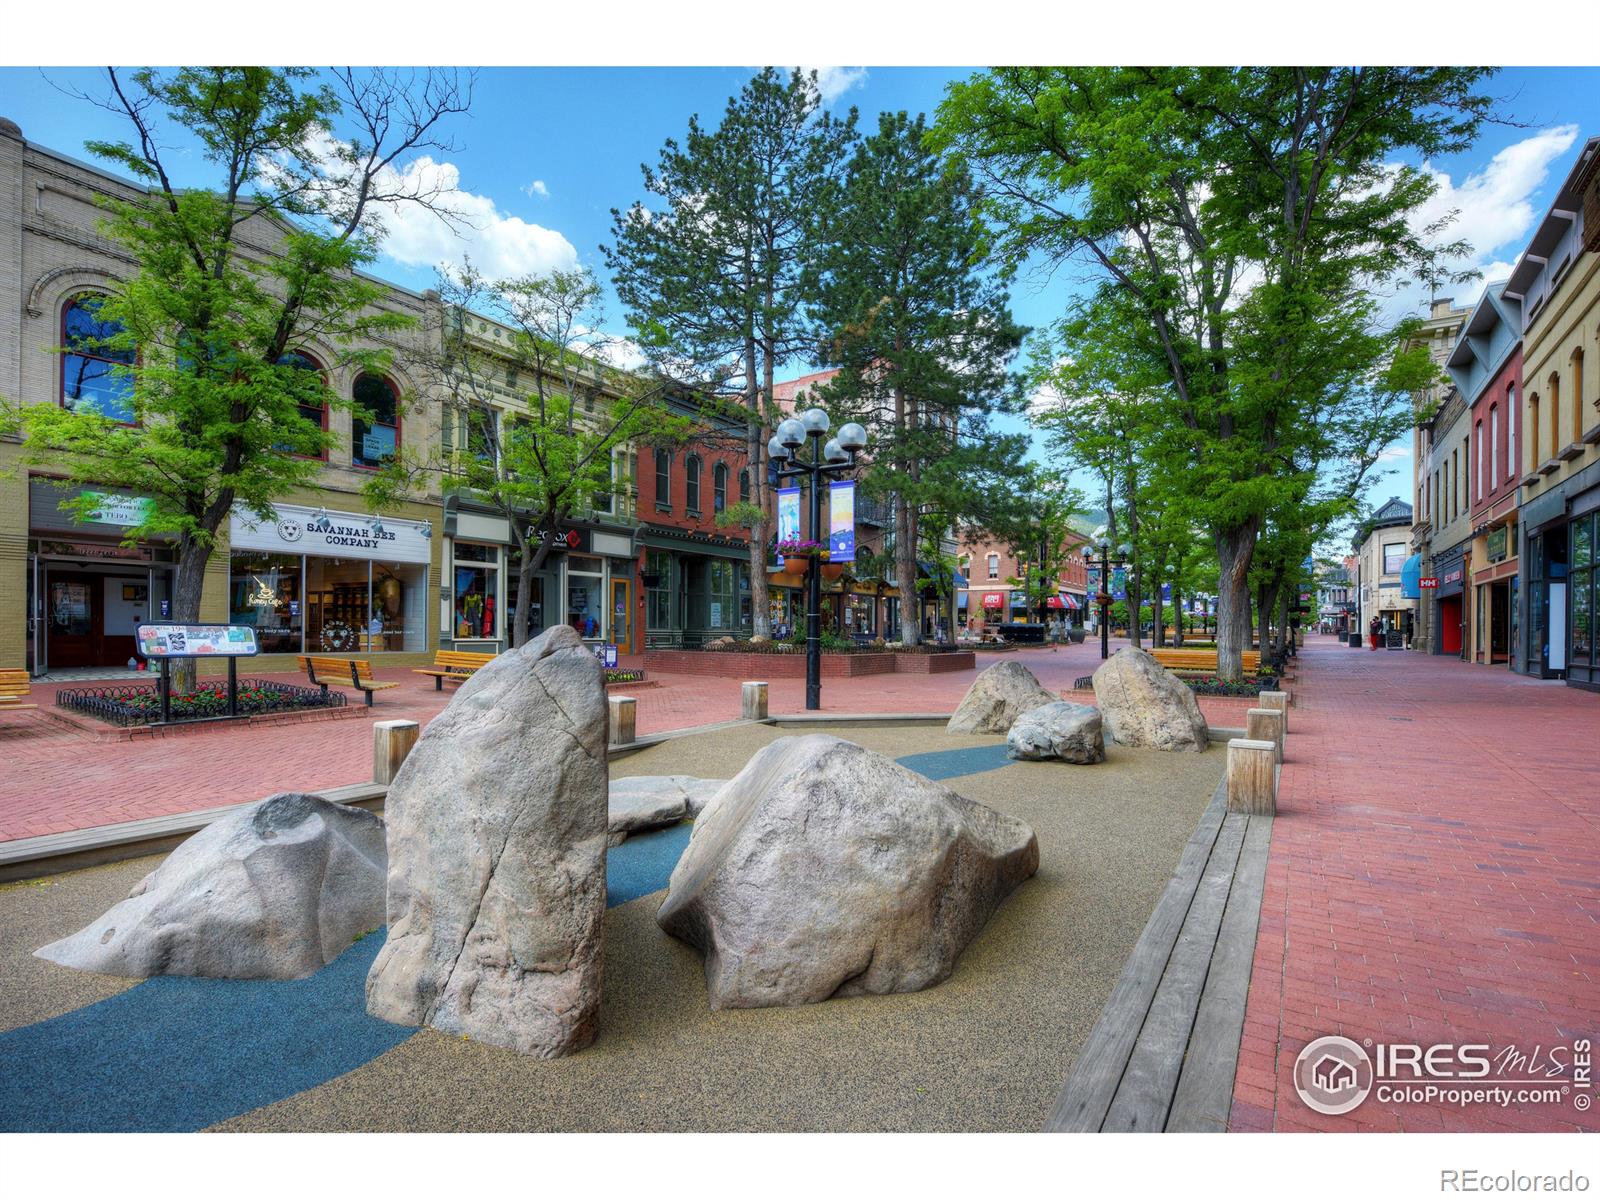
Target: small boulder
{"x": 497, "y": 857}
{"x": 276, "y": 890}
{"x": 824, "y": 869}
{"x": 1061, "y": 730}
{"x": 651, "y": 801}
{"x": 996, "y": 698}
{"x": 1144, "y": 704}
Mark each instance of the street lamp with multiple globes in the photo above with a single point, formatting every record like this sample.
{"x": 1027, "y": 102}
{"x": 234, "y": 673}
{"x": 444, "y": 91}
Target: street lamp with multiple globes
{"x": 835, "y": 457}
{"x": 1123, "y": 559}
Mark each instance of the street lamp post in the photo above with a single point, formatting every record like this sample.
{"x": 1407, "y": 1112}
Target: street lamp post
{"x": 1103, "y": 597}
{"x": 837, "y": 456}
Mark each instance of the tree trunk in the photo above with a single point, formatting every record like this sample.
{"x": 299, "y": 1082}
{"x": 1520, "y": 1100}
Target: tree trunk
{"x": 532, "y": 559}
{"x": 1284, "y": 632}
{"x": 186, "y": 588}
{"x": 1177, "y": 606}
{"x": 1235, "y": 548}
{"x": 905, "y": 571}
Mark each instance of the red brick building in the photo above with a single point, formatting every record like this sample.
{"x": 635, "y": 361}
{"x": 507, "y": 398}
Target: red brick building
{"x": 989, "y": 599}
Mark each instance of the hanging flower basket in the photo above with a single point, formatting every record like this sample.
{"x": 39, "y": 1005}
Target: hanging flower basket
{"x": 832, "y": 571}
{"x": 797, "y": 555}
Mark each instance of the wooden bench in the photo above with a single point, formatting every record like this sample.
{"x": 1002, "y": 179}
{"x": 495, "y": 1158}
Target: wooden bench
{"x": 15, "y": 687}
{"x": 342, "y": 672}
{"x": 1177, "y": 659}
{"x": 454, "y": 665}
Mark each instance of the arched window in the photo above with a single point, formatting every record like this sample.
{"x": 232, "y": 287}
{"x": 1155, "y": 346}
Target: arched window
{"x": 664, "y": 479}
{"x": 1554, "y": 384}
{"x": 1533, "y": 432}
{"x": 744, "y": 484}
{"x": 1576, "y": 363}
{"x": 315, "y": 411}
{"x": 1494, "y": 447}
{"x": 92, "y": 379}
{"x": 719, "y": 487}
{"x": 374, "y": 442}
{"x": 692, "y": 483}
{"x": 1477, "y": 473}
{"x": 1511, "y": 431}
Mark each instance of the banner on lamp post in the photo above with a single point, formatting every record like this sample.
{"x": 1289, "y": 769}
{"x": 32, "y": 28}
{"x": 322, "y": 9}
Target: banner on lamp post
{"x": 842, "y": 521}
{"x": 789, "y": 514}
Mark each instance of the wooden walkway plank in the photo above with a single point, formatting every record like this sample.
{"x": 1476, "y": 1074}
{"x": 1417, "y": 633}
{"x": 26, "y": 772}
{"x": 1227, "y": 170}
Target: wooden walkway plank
{"x": 1145, "y": 1092}
{"x": 1204, "y": 1096}
{"x": 1087, "y": 1094}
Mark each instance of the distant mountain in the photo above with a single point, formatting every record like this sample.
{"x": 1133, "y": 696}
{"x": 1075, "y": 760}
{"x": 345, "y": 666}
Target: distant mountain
{"x": 1087, "y": 523}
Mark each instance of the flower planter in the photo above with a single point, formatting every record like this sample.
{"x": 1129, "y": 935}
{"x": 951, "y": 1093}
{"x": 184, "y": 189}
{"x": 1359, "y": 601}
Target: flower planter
{"x": 795, "y": 564}
{"x": 833, "y": 570}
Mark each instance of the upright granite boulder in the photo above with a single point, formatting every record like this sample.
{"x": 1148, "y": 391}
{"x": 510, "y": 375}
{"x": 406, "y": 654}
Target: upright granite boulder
{"x": 1060, "y": 730}
{"x": 497, "y": 857}
{"x": 997, "y": 697}
{"x": 824, "y": 869}
{"x": 276, "y": 890}
{"x": 1144, "y": 704}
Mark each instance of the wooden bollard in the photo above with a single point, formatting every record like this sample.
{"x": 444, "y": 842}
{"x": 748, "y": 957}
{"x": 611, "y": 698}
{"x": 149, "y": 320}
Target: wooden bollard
{"x": 1279, "y": 701}
{"x": 753, "y": 700}
{"x": 1265, "y": 725}
{"x": 623, "y": 710}
{"x": 391, "y": 742}
{"x": 1252, "y": 777}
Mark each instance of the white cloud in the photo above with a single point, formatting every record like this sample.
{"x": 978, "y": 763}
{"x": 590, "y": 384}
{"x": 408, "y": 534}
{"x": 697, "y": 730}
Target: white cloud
{"x": 834, "y": 82}
{"x": 499, "y": 244}
{"x": 1494, "y": 211}
{"x": 536, "y": 188}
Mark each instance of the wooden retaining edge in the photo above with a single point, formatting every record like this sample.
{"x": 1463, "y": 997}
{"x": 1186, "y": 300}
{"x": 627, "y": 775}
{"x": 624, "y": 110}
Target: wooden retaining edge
{"x": 1163, "y": 1054}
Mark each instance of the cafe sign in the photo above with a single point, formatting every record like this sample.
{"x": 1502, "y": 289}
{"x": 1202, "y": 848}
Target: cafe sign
{"x": 1495, "y": 542}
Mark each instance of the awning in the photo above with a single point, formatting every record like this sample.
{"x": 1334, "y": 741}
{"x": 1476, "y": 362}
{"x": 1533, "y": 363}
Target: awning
{"x": 1056, "y": 602}
{"x": 933, "y": 571}
{"x": 994, "y": 600}
{"x": 1411, "y": 578}
{"x": 1072, "y": 601}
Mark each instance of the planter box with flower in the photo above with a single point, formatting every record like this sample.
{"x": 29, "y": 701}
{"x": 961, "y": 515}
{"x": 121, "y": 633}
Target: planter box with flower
{"x": 798, "y": 553}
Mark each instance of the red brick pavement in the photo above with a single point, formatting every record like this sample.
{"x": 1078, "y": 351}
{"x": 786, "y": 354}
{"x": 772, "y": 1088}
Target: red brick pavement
{"x": 1434, "y": 877}
{"x": 56, "y": 779}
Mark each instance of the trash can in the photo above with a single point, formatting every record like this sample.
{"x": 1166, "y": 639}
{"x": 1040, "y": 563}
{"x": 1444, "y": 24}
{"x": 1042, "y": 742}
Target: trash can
{"x": 1355, "y": 640}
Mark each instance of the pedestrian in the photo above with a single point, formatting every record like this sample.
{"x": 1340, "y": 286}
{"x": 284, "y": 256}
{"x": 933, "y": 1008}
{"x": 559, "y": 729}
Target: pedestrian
{"x": 1375, "y": 631}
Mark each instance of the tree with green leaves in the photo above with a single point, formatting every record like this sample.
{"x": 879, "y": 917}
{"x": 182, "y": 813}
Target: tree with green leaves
{"x": 205, "y": 329}
{"x": 709, "y": 268}
{"x": 1243, "y": 215}
{"x": 905, "y": 305}
{"x": 1036, "y": 522}
{"x": 535, "y": 424}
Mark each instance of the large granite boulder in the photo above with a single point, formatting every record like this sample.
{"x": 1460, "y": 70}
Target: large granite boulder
{"x": 1060, "y": 730}
{"x": 997, "y": 697}
{"x": 276, "y": 890}
{"x": 1144, "y": 704}
{"x": 497, "y": 857}
{"x": 642, "y": 802}
{"x": 824, "y": 869}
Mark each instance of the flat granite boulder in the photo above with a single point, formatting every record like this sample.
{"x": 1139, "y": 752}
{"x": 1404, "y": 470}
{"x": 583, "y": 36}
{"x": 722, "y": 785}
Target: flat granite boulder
{"x": 825, "y": 869}
{"x": 276, "y": 890}
{"x": 642, "y": 802}
{"x": 1144, "y": 704}
{"x": 497, "y": 857}
{"x": 1060, "y": 730}
{"x": 997, "y": 697}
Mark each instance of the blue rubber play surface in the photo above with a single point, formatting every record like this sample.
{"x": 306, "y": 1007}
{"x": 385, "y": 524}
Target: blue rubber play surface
{"x": 174, "y": 1054}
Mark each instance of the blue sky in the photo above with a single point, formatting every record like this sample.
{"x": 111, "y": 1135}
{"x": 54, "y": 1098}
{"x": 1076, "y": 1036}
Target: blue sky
{"x": 547, "y": 152}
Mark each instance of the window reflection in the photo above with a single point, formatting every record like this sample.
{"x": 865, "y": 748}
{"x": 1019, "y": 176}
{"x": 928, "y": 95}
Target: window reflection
{"x": 375, "y": 441}
{"x": 93, "y": 375}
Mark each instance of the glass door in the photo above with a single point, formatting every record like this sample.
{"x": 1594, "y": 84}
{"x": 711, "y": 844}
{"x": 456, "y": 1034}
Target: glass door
{"x": 621, "y": 615}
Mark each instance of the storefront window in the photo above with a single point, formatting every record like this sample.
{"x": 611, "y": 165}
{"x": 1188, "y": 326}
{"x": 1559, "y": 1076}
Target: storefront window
{"x": 475, "y": 586}
{"x": 658, "y": 593}
{"x": 264, "y": 591}
{"x": 858, "y": 617}
{"x": 586, "y": 608}
{"x": 337, "y": 611}
{"x": 397, "y": 614}
{"x": 719, "y": 581}
{"x": 1583, "y": 589}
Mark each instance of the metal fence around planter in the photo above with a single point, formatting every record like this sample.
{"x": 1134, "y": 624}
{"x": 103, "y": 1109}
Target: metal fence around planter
{"x": 140, "y": 703}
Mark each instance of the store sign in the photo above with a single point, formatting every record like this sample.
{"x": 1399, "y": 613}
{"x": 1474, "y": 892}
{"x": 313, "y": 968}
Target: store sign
{"x": 196, "y": 641}
{"x": 113, "y": 509}
{"x": 298, "y": 530}
{"x": 1427, "y": 581}
{"x": 1452, "y": 576}
{"x": 994, "y": 600}
{"x": 1495, "y": 542}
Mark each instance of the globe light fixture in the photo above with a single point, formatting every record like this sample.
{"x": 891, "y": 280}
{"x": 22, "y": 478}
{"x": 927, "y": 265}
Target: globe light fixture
{"x": 835, "y": 453}
{"x": 852, "y": 437}
{"x": 792, "y": 434}
{"x": 815, "y": 421}
{"x": 776, "y": 450}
